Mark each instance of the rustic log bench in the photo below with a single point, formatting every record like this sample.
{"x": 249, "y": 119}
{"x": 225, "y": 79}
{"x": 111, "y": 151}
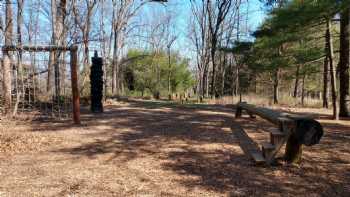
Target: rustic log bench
{"x": 294, "y": 130}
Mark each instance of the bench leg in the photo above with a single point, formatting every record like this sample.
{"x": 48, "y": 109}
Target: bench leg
{"x": 293, "y": 150}
{"x": 238, "y": 112}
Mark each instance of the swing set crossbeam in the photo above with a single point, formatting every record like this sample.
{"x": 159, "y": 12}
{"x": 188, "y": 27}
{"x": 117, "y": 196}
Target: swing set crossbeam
{"x": 73, "y": 49}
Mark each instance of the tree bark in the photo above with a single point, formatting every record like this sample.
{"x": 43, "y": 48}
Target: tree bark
{"x": 325, "y": 83}
{"x": 330, "y": 54}
{"x": 275, "y": 86}
{"x": 237, "y": 84}
{"x": 84, "y": 26}
{"x": 205, "y": 81}
{"x": 58, "y": 11}
{"x": 54, "y": 59}
{"x": 117, "y": 25}
{"x": 50, "y": 73}
{"x": 7, "y": 71}
{"x": 223, "y": 76}
{"x": 103, "y": 47}
{"x": 216, "y": 17}
{"x": 20, "y": 90}
{"x": 344, "y": 63}
{"x": 213, "y": 76}
{"x": 115, "y": 70}
{"x": 86, "y": 33}
{"x": 303, "y": 90}
{"x": 295, "y": 93}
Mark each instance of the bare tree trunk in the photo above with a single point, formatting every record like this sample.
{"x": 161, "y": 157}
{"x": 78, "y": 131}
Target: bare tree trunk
{"x": 213, "y": 76}
{"x": 169, "y": 72}
{"x": 330, "y": 54}
{"x": 223, "y": 76}
{"x": 237, "y": 84}
{"x": 325, "y": 83}
{"x": 205, "y": 81}
{"x": 303, "y": 90}
{"x": 115, "y": 72}
{"x": 207, "y": 86}
{"x": 295, "y": 93}
{"x": 200, "y": 84}
{"x": 114, "y": 78}
{"x": 344, "y": 63}
{"x": 237, "y": 78}
{"x": 58, "y": 17}
{"x": 216, "y": 16}
{"x": 7, "y": 71}
{"x": 51, "y": 63}
{"x": 276, "y": 86}
{"x": 57, "y": 77}
{"x": 233, "y": 84}
{"x": 103, "y": 47}
{"x": 84, "y": 26}
{"x": 19, "y": 58}
{"x": 54, "y": 65}
{"x": 50, "y": 73}
{"x": 255, "y": 84}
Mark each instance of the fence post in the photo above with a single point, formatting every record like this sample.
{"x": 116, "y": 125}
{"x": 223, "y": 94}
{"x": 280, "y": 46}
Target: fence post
{"x": 75, "y": 88}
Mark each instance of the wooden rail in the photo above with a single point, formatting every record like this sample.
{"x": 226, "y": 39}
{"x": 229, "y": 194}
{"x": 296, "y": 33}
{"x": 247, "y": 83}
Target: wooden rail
{"x": 291, "y": 129}
{"x": 46, "y": 48}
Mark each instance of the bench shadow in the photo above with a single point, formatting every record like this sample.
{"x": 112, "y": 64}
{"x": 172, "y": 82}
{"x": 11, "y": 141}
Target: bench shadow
{"x": 192, "y": 142}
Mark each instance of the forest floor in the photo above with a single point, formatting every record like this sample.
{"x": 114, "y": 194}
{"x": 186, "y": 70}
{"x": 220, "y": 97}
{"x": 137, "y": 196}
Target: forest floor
{"x": 145, "y": 148}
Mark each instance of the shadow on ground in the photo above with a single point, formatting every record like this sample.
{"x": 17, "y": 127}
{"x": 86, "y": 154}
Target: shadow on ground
{"x": 192, "y": 143}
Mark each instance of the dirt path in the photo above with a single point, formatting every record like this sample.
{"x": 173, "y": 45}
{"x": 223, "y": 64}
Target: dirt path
{"x": 157, "y": 149}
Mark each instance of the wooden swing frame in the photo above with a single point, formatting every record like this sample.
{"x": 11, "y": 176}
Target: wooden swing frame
{"x": 73, "y": 49}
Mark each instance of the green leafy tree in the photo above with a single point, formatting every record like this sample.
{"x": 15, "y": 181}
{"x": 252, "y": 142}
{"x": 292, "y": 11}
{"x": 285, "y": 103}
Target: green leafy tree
{"x": 149, "y": 71}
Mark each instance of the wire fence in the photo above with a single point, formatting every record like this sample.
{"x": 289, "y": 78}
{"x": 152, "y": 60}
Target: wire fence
{"x": 41, "y": 86}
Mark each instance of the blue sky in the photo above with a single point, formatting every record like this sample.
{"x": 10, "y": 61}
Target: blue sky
{"x": 182, "y": 13}
{"x": 180, "y": 9}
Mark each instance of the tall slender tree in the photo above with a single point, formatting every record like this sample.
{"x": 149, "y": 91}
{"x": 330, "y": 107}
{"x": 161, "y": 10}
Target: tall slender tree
{"x": 20, "y": 90}
{"x": 330, "y": 55}
{"x": 7, "y": 59}
{"x": 343, "y": 67}
{"x": 217, "y": 13}
{"x": 82, "y": 19}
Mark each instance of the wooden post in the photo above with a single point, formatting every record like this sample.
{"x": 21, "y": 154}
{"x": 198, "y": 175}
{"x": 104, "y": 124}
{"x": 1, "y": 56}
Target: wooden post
{"x": 75, "y": 88}
{"x": 293, "y": 150}
{"x": 238, "y": 112}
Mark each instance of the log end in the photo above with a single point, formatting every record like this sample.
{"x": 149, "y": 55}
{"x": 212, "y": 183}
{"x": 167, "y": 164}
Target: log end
{"x": 308, "y": 131}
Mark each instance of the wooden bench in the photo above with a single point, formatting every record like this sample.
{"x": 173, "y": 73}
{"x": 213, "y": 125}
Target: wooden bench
{"x": 292, "y": 130}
